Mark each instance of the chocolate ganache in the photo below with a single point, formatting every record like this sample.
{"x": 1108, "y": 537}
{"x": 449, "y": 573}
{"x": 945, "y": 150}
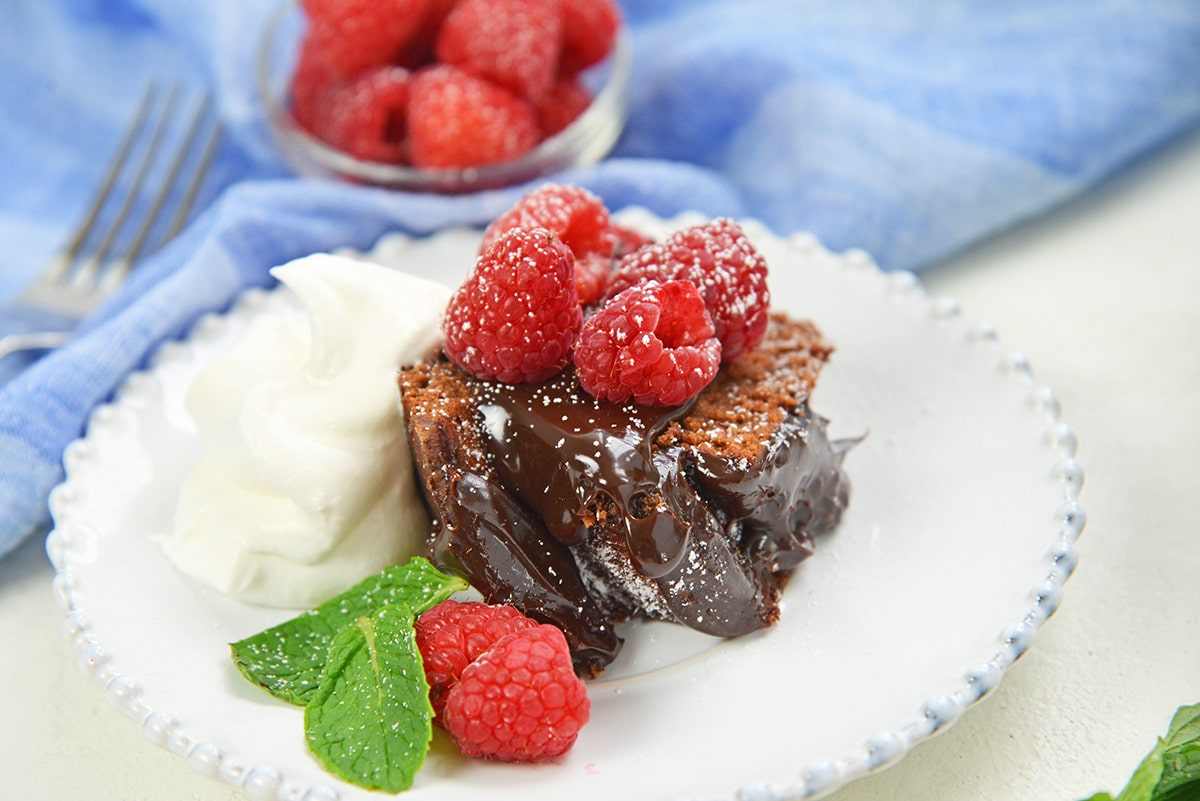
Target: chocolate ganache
{"x": 584, "y": 513}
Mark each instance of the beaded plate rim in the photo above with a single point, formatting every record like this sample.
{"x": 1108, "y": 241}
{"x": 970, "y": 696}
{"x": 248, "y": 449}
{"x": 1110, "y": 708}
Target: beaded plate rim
{"x": 67, "y": 546}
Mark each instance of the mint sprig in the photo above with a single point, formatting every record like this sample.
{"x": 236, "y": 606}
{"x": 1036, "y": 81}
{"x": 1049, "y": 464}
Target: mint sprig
{"x": 370, "y": 721}
{"x": 1181, "y": 759}
{"x": 353, "y": 663}
{"x": 287, "y": 660}
{"x": 1171, "y": 771}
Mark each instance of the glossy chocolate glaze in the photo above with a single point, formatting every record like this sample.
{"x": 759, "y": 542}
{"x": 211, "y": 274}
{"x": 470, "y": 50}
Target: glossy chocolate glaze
{"x": 559, "y": 451}
{"x": 482, "y": 532}
{"x": 685, "y": 518}
{"x": 583, "y": 512}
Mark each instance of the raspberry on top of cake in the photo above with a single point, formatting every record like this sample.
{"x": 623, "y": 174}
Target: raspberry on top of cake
{"x": 648, "y": 451}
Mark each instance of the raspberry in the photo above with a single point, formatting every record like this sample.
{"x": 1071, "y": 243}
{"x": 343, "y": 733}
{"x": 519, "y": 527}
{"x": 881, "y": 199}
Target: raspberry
{"x": 458, "y": 120}
{"x": 490, "y": 88}
{"x": 356, "y": 34}
{"x": 517, "y": 315}
{"x": 567, "y": 99}
{"x": 453, "y": 634}
{"x": 719, "y": 259}
{"x": 653, "y": 342}
{"x": 627, "y": 240}
{"x": 419, "y": 50}
{"x": 520, "y": 701}
{"x": 575, "y": 216}
{"x": 312, "y": 85}
{"x": 366, "y": 116}
{"x": 591, "y": 277}
{"x": 571, "y": 213}
{"x": 589, "y": 28}
{"x": 515, "y": 43}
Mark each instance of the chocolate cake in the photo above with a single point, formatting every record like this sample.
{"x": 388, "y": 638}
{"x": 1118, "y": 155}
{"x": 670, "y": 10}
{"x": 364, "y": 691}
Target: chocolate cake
{"x": 585, "y": 513}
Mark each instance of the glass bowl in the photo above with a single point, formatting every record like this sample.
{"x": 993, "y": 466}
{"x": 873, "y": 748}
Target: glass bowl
{"x": 584, "y": 142}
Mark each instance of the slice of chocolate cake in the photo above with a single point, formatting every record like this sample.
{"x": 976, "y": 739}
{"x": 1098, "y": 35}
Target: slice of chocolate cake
{"x": 584, "y": 513}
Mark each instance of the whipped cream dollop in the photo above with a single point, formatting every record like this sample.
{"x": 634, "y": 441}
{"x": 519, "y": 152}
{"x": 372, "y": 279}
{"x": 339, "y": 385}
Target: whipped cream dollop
{"x": 305, "y": 484}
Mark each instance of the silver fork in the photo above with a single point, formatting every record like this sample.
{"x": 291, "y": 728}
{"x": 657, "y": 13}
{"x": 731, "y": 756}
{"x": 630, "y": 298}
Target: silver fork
{"x": 87, "y": 270}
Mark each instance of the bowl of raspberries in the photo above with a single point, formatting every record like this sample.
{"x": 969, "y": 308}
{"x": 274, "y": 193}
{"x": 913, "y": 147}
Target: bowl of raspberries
{"x": 444, "y": 95}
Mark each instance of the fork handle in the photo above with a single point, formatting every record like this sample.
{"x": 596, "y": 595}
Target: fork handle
{"x": 32, "y": 340}
{"x": 26, "y": 329}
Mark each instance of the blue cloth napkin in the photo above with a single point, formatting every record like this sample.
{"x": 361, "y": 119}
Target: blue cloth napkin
{"x": 908, "y": 130}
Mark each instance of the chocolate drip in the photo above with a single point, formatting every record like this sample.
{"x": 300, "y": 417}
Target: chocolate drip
{"x": 566, "y": 455}
{"x": 717, "y": 537}
{"x": 583, "y": 513}
{"x": 509, "y": 560}
{"x": 480, "y": 531}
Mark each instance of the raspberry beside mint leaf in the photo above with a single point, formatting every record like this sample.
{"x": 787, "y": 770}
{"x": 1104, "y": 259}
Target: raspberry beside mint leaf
{"x": 520, "y": 700}
{"x": 454, "y": 634}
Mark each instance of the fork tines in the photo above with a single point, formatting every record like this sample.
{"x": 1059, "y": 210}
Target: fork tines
{"x": 108, "y": 243}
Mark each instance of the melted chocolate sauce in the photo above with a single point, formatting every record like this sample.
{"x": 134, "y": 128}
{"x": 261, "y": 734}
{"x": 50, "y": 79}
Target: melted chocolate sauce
{"x": 559, "y": 450}
{"x": 583, "y": 513}
{"x": 717, "y": 536}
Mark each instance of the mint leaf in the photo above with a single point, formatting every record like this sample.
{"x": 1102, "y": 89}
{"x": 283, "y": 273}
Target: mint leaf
{"x": 287, "y": 660}
{"x": 370, "y": 720}
{"x": 1143, "y": 781}
{"x": 1181, "y": 759}
{"x": 1181, "y": 774}
{"x": 1185, "y": 726}
{"x": 1145, "y": 777}
{"x": 1171, "y": 771}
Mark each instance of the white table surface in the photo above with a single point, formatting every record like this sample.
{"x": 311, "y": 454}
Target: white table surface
{"x": 1103, "y": 297}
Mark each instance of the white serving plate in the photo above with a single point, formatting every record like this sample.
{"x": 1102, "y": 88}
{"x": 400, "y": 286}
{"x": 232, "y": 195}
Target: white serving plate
{"x": 960, "y": 533}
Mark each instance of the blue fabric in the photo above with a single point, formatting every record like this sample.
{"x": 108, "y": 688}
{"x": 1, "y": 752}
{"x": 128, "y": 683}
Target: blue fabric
{"x": 909, "y": 130}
